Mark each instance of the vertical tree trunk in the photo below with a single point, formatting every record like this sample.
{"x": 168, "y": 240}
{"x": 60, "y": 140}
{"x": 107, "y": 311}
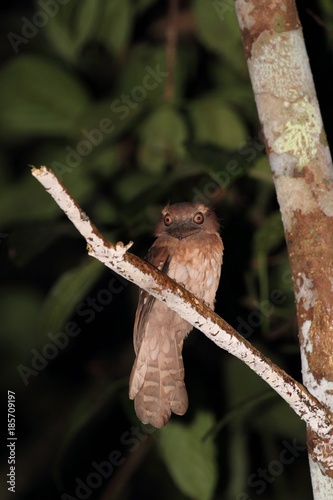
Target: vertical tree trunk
{"x": 302, "y": 170}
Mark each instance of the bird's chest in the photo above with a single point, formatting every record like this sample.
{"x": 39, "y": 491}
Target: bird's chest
{"x": 197, "y": 266}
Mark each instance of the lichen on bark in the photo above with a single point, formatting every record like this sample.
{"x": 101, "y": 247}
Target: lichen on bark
{"x": 302, "y": 171}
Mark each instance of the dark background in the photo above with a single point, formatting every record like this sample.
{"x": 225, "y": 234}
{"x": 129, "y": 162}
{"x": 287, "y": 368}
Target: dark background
{"x": 72, "y": 408}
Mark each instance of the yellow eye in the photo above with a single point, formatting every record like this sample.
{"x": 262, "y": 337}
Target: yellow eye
{"x": 168, "y": 220}
{"x": 198, "y": 218}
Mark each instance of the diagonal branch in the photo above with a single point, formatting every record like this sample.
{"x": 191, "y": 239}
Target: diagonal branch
{"x": 188, "y": 307}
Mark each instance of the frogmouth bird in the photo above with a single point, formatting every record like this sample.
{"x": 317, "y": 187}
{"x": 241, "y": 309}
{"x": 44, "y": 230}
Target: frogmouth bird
{"x": 189, "y": 249}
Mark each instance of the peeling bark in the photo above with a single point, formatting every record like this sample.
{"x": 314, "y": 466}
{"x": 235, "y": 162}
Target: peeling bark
{"x": 302, "y": 170}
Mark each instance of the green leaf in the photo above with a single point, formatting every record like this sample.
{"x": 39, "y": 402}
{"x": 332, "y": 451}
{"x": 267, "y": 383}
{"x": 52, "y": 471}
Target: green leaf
{"x": 261, "y": 170}
{"x": 256, "y": 398}
{"x": 266, "y": 238}
{"x": 38, "y": 97}
{"x": 26, "y": 200}
{"x": 67, "y": 292}
{"x": 69, "y": 166}
{"x": 216, "y": 123}
{"x": 110, "y": 117}
{"x": 105, "y": 212}
{"x": 218, "y": 30}
{"x": 86, "y": 414}
{"x": 17, "y": 329}
{"x": 255, "y": 406}
{"x": 86, "y": 20}
{"x": 327, "y": 14}
{"x": 282, "y": 420}
{"x": 142, "y": 78}
{"x": 240, "y": 394}
{"x": 115, "y": 25}
{"x": 19, "y": 308}
{"x": 234, "y": 90}
{"x": 269, "y": 235}
{"x": 134, "y": 184}
{"x": 190, "y": 456}
{"x": 75, "y": 24}
{"x": 62, "y": 34}
{"x": 162, "y": 140}
{"x": 238, "y": 460}
{"x": 105, "y": 162}
{"x": 282, "y": 279}
{"x": 141, "y": 5}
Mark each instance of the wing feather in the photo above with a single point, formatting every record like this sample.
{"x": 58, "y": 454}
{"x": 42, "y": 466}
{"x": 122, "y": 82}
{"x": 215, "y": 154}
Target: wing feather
{"x": 159, "y": 257}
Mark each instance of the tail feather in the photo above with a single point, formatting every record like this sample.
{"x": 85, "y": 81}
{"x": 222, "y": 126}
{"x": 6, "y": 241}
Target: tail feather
{"x": 157, "y": 383}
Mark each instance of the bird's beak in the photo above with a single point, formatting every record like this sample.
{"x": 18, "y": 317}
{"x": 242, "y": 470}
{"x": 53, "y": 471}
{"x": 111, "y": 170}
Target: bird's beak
{"x": 181, "y": 230}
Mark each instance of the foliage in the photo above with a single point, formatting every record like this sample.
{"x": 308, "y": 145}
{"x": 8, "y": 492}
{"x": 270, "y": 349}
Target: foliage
{"x": 83, "y": 91}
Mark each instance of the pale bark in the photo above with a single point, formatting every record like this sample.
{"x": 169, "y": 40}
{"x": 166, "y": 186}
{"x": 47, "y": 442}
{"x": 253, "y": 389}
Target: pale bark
{"x": 302, "y": 171}
{"x": 190, "y": 308}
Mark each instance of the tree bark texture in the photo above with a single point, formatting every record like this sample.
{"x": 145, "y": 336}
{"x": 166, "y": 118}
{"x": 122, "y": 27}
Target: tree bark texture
{"x": 301, "y": 165}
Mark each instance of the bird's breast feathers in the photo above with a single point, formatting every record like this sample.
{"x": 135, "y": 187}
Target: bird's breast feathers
{"x": 195, "y": 263}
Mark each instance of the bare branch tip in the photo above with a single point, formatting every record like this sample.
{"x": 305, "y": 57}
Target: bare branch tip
{"x": 38, "y": 171}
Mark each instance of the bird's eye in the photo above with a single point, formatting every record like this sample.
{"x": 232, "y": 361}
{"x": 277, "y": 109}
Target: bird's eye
{"x": 168, "y": 220}
{"x": 198, "y": 218}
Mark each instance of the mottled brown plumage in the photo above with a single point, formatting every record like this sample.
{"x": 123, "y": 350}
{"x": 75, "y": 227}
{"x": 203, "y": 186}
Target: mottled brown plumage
{"x": 189, "y": 249}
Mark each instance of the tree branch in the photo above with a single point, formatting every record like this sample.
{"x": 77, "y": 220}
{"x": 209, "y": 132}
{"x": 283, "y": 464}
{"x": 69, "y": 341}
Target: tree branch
{"x": 188, "y": 307}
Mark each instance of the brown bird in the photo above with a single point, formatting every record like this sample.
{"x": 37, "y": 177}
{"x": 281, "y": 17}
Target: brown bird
{"x": 189, "y": 249}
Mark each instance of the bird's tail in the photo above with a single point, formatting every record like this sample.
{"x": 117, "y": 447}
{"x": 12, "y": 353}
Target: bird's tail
{"x": 157, "y": 381}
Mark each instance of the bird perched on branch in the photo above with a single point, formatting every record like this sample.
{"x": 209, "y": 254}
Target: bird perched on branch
{"x": 189, "y": 250}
